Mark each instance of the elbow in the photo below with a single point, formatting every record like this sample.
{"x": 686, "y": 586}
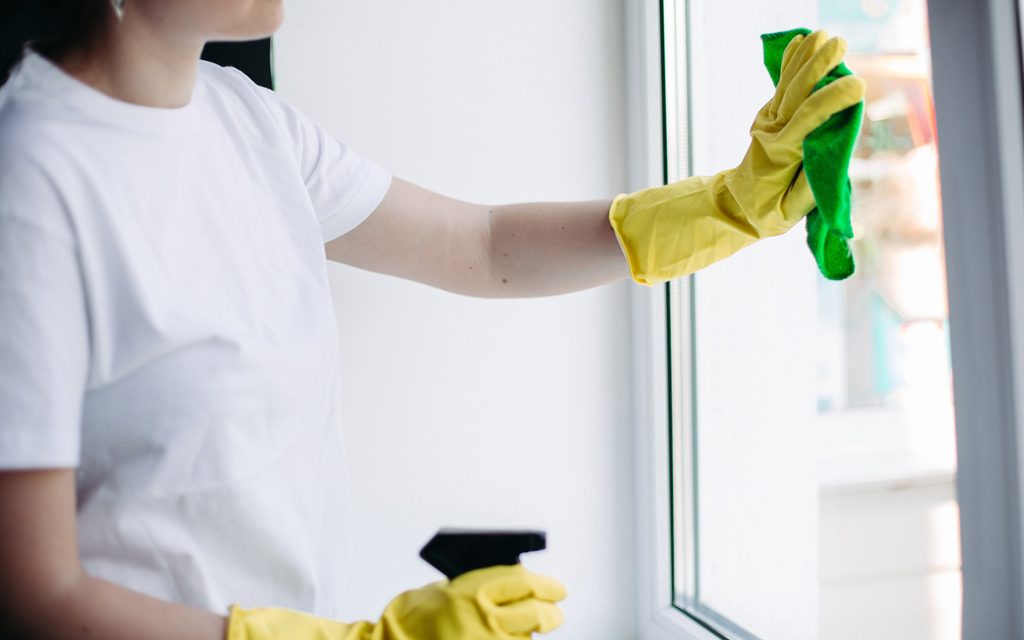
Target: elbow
{"x": 497, "y": 281}
{"x": 471, "y": 265}
{"x": 39, "y": 605}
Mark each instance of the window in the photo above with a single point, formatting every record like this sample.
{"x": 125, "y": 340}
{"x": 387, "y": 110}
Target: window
{"x": 810, "y": 445}
{"x": 812, "y": 424}
{"x": 742, "y": 380}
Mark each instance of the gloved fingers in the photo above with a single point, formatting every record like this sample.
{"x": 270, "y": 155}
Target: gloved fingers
{"x": 799, "y": 57}
{"x": 791, "y": 48}
{"x": 821, "y": 63}
{"x": 522, "y": 585}
{"x": 798, "y": 200}
{"x": 547, "y": 588}
{"x": 528, "y": 616}
{"x": 822, "y": 105}
{"x": 803, "y": 52}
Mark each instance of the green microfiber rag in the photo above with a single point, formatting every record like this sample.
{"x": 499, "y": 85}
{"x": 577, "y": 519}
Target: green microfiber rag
{"x": 827, "y": 153}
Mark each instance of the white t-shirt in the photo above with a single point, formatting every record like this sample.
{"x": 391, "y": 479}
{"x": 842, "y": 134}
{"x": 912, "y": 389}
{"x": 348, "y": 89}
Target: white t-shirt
{"x": 166, "y": 327}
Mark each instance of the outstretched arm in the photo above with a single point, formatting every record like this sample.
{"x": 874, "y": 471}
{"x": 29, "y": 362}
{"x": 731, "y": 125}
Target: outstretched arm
{"x": 507, "y": 251}
{"x": 664, "y": 232}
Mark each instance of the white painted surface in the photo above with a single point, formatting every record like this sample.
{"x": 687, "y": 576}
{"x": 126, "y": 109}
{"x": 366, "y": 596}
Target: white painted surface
{"x": 470, "y": 412}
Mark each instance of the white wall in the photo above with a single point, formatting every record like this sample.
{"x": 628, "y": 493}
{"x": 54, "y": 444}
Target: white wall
{"x": 465, "y": 412}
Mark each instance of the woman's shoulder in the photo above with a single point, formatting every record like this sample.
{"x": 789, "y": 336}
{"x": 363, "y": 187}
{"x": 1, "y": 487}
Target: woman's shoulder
{"x": 37, "y": 149}
{"x": 229, "y": 86}
{"x": 26, "y": 115}
{"x": 29, "y": 132}
{"x": 40, "y": 113}
{"x": 32, "y": 165}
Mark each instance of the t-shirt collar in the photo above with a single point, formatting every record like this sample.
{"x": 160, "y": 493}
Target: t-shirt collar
{"x": 36, "y": 69}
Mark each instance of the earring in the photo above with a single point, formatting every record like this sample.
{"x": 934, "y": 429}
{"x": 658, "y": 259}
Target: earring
{"x": 118, "y": 8}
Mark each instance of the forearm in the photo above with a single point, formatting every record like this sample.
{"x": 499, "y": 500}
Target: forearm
{"x": 543, "y": 249}
{"x": 87, "y": 607}
{"x": 506, "y": 251}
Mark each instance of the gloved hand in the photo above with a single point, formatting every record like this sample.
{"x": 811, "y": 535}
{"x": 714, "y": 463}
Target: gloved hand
{"x": 674, "y": 230}
{"x": 495, "y": 603}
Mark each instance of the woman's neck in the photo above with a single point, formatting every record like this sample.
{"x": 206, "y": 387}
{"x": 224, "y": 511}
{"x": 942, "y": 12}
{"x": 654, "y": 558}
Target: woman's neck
{"x": 134, "y": 62}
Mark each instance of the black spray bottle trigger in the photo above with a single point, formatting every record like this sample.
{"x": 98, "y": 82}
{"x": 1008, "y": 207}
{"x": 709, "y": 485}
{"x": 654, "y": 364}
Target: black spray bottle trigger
{"x": 456, "y": 551}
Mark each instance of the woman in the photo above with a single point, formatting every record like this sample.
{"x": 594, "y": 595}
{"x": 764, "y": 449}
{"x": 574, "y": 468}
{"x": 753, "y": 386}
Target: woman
{"x": 168, "y": 405}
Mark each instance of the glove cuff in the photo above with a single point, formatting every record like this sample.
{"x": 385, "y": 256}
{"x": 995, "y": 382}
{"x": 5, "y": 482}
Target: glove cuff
{"x": 671, "y": 231}
{"x": 616, "y": 217}
{"x": 272, "y": 623}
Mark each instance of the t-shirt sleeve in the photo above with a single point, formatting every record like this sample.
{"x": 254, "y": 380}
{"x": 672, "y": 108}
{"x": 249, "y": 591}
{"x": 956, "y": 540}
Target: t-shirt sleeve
{"x": 343, "y": 186}
{"x": 44, "y": 343}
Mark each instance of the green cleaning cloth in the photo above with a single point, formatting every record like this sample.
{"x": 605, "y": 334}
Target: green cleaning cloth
{"x": 827, "y": 153}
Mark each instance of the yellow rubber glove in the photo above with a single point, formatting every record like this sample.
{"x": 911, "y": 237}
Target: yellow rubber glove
{"x": 497, "y": 602}
{"x": 671, "y": 231}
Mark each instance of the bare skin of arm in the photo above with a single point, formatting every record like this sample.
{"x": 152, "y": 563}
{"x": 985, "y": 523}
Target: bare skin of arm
{"x": 507, "y": 251}
{"x": 45, "y": 594}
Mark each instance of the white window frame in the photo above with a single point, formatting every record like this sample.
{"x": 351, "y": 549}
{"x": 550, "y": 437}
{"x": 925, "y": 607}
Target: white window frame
{"x": 657, "y": 618}
{"x": 977, "y": 69}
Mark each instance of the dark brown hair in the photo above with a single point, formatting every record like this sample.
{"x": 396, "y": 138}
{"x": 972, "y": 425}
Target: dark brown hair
{"x": 54, "y": 28}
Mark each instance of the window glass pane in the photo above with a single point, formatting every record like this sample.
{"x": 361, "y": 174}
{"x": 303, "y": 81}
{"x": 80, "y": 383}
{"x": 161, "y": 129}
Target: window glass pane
{"x": 753, "y": 567}
{"x": 813, "y": 434}
{"x": 889, "y": 530}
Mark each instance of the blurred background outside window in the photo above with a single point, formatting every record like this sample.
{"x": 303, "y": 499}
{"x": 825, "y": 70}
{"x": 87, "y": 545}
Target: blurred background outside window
{"x": 814, "y": 480}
